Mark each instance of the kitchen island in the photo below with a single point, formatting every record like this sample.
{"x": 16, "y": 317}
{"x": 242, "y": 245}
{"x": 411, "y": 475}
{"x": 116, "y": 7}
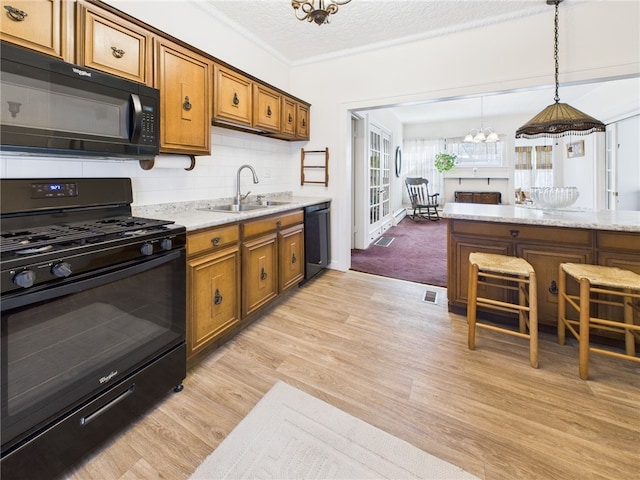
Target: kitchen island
{"x": 543, "y": 238}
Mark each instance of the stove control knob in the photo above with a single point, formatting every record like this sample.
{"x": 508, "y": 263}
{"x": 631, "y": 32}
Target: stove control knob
{"x": 146, "y": 249}
{"x": 24, "y": 279}
{"x": 61, "y": 270}
{"x": 166, "y": 244}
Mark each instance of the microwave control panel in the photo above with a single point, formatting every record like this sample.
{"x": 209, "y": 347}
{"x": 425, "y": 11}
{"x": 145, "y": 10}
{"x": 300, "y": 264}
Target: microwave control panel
{"x": 149, "y": 128}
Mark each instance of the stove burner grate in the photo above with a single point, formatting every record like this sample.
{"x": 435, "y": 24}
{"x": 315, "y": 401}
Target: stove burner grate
{"x": 35, "y": 239}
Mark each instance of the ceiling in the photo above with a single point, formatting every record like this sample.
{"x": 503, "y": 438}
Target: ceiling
{"x": 363, "y": 25}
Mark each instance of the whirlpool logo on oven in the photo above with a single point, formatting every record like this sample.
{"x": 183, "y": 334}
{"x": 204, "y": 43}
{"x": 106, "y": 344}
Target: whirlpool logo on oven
{"x": 106, "y": 378}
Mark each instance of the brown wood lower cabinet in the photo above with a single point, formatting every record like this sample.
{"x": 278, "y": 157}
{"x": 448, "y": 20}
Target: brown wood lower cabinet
{"x": 213, "y": 286}
{"x": 259, "y": 272}
{"x": 235, "y": 270}
{"x": 544, "y": 247}
{"x": 272, "y": 258}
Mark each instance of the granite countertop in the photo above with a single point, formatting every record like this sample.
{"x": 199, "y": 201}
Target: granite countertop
{"x": 620, "y": 220}
{"x": 192, "y": 217}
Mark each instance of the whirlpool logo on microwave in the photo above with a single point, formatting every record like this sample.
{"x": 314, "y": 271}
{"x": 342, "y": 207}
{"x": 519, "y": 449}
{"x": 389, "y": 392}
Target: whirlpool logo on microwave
{"x": 82, "y": 73}
{"x": 106, "y": 378}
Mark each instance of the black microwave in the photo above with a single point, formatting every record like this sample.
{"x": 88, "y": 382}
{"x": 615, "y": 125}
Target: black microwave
{"x": 51, "y": 107}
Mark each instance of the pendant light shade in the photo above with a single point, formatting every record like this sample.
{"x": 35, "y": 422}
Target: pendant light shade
{"x": 559, "y": 119}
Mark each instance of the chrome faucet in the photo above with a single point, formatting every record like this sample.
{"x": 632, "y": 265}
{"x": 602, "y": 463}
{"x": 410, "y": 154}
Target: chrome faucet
{"x": 239, "y": 196}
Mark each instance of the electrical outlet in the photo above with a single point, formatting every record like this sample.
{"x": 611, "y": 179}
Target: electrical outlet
{"x": 475, "y": 172}
{"x": 267, "y": 173}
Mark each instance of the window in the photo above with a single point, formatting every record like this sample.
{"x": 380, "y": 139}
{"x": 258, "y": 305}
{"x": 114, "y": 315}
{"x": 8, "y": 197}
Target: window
{"x": 471, "y": 154}
{"x": 533, "y": 167}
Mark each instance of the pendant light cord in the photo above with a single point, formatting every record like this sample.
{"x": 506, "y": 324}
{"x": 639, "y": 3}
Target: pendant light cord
{"x": 555, "y": 52}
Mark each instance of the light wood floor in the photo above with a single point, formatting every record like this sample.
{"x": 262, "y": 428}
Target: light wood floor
{"x": 372, "y": 347}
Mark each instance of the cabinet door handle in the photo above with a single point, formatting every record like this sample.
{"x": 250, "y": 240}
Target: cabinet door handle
{"x": 268, "y": 110}
{"x": 217, "y": 300}
{"x": 553, "y": 288}
{"x": 117, "y": 52}
{"x": 514, "y": 233}
{"x": 278, "y": 224}
{"x": 186, "y": 105}
{"x": 304, "y": 122}
{"x": 215, "y": 241}
{"x": 290, "y": 118}
{"x": 236, "y": 100}
{"x": 15, "y": 13}
{"x": 293, "y": 258}
{"x": 263, "y": 274}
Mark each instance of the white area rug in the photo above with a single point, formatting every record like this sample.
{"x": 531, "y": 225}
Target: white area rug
{"x": 290, "y": 434}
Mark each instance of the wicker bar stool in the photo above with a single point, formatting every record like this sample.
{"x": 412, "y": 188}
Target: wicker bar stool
{"x": 511, "y": 274}
{"x": 614, "y": 287}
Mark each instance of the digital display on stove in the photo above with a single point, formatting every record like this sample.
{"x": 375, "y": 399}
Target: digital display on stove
{"x": 54, "y": 190}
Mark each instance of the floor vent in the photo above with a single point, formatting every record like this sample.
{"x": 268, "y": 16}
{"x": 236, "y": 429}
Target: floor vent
{"x": 384, "y": 241}
{"x": 430, "y": 296}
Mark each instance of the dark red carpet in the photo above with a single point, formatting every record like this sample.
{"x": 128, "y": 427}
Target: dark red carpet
{"x": 418, "y": 253}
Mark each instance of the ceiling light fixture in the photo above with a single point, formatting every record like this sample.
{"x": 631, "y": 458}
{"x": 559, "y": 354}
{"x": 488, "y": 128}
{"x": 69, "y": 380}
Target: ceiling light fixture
{"x": 480, "y": 135}
{"x": 307, "y": 10}
{"x": 559, "y": 119}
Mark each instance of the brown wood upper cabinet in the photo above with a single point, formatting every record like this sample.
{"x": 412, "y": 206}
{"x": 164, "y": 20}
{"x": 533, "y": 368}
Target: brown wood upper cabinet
{"x": 232, "y": 96}
{"x": 36, "y": 24}
{"x": 184, "y": 80}
{"x": 239, "y": 101}
{"x": 112, "y": 44}
{"x": 288, "y": 120}
{"x": 266, "y": 108}
{"x": 302, "y": 121}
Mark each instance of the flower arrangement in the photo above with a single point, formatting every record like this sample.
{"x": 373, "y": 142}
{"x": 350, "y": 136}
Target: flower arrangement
{"x": 445, "y": 161}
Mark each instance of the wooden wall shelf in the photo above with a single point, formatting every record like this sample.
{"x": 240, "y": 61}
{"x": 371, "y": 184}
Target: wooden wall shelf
{"x": 306, "y": 164}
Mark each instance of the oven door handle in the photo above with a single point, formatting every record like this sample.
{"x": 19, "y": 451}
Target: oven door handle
{"x": 30, "y": 297}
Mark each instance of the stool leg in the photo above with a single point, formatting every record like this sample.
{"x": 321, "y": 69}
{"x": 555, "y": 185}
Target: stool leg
{"x": 585, "y": 313}
{"x": 533, "y": 320}
{"x": 522, "y": 301}
{"x": 472, "y": 300}
{"x": 629, "y": 340}
{"x": 562, "y": 305}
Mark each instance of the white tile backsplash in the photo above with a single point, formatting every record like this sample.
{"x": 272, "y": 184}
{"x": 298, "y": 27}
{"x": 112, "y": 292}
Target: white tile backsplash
{"x": 213, "y": 177}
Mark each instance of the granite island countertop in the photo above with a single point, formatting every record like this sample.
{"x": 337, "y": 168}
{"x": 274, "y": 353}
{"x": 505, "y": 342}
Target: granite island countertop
{"x": 620, "y": 220}
{"x": 193, "y": 218}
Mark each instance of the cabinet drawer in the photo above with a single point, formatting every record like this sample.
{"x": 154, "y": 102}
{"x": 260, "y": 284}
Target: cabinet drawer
{"x": 519, "y": 232}
{"x": 36, "y": 24}
{"x": 618, "y": 241}
{"x": 113, "y": 45}
{"x": 212, "y": 239}
{"x": 272, "y": 223}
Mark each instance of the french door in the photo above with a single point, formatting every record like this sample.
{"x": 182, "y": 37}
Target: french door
{"x": 379, "y": 177}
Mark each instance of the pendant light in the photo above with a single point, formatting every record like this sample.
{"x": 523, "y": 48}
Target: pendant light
{"x": 559, "y": 119}
{"x": 481, "y": 135}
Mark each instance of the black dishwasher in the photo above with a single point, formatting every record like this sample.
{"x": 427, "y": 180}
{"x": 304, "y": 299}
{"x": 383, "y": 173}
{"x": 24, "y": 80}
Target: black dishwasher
{"x": 317, "y": 238}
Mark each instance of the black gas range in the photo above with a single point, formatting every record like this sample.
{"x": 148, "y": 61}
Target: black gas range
{"x": 93, "y": 318}
{"x": 53, "y": 229}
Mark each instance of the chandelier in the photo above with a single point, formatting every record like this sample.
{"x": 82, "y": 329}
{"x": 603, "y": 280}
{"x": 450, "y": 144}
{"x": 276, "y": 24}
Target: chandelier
{"x": 306, "y": 10}
{"x": 559, "y": 119}
{"x": 480, "y": 135}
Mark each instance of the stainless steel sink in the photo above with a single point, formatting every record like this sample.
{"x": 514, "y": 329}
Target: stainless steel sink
{"x": 233, "y": 208}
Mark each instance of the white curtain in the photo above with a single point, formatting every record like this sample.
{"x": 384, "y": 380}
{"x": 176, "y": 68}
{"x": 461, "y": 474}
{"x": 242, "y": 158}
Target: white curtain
{"x": 418, "y": 158}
